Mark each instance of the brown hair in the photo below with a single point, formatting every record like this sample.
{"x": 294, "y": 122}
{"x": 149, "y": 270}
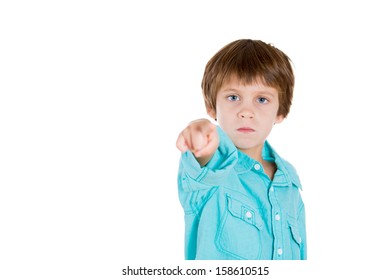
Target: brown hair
{"x": 249, "y": 60}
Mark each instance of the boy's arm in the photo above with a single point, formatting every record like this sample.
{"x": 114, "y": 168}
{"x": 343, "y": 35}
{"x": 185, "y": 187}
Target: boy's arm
{"x": 302, "y": 229}
{"x": 196, "y": 182}
{"x": 201, "y": 138}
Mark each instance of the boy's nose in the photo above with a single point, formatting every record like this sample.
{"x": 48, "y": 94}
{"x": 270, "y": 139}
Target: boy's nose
{"x": 245, "y": 114}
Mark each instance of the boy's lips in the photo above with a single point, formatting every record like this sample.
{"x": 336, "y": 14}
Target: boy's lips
{"x": 245, "y": 130}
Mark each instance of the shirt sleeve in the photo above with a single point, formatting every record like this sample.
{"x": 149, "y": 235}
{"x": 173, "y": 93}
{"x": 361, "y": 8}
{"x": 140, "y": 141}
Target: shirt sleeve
{"x": 193, "y": 177}
{"x": 301, "y": 217}
{"x": 302, "y": 230}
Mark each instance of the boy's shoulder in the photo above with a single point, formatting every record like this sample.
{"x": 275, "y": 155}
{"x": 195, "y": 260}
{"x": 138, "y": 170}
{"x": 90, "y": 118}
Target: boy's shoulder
{"x": 286, "y": 167}
{"x": 293, "y": 174}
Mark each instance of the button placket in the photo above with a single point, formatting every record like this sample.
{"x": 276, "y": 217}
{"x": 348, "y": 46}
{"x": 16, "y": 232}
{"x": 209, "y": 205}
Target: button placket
{"x": 276, "y": 224}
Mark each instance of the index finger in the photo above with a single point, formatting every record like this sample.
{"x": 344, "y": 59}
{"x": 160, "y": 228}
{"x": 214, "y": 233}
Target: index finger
{"x": 181, "y": 143}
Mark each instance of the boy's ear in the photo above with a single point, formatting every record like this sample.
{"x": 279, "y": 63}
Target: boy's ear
{"x": 212, "y": 113}
{"x": 279, "y": 119}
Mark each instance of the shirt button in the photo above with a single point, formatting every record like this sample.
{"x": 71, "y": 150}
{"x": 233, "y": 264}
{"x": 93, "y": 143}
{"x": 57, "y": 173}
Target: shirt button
{"x": 248, "y": 215}
{"x": 280, "y": 251}
{"x": 271, "y": 189}
{"x": 257, "y": 166}
{"x": 277, "y": 217}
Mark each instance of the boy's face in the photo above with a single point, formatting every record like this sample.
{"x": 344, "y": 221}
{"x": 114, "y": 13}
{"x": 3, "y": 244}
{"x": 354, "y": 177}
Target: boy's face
{"x": 247, "y": 113}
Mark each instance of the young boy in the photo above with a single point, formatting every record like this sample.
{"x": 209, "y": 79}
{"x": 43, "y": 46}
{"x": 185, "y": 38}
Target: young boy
{"x": 241, "y": 199}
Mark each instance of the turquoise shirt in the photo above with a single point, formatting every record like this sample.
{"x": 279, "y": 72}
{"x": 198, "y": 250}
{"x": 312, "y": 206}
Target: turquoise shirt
{"x": 234, "y": 211}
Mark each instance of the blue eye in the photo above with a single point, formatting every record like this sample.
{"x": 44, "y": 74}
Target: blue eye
{"x": 233, "y": 97}
{"x": 262, "y": 100}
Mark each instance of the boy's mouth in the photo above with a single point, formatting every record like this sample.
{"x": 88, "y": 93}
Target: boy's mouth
{"x": 245, "y": 130}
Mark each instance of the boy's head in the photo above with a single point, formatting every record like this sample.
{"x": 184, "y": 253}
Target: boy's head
{"x": 249, "y": 60}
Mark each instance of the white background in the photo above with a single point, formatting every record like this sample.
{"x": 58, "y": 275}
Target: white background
{"x": 94, "y": 93}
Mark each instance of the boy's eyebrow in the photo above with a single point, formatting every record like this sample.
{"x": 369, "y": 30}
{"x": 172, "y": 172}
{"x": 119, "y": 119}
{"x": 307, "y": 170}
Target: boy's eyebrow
{"x": 258, "y": 91}
{"x": 266, "y": 92}
{"x": 229, "y": 89}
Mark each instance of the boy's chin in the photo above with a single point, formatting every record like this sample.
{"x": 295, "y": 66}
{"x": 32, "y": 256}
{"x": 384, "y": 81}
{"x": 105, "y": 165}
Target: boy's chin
{"x": 244, "y": 145}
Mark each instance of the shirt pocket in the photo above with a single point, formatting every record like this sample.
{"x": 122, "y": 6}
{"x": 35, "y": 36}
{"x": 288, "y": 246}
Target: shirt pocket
{"x": 296, "y": 239}
{"x": 239, "y": 232}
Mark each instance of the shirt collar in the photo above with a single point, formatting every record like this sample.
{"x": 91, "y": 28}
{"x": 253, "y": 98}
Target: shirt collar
{"x": 285, "y": 174}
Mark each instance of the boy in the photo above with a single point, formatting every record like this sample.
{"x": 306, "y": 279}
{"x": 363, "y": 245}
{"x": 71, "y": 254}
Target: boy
{"x": 241, "y": 199}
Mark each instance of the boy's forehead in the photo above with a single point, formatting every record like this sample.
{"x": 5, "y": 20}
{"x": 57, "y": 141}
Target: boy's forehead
{"x": 235, "y": 80}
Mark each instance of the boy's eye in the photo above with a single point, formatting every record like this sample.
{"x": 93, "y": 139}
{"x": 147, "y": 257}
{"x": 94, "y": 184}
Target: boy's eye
{"x": 233, "y": 97}
{"x": 262, "y": 100}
